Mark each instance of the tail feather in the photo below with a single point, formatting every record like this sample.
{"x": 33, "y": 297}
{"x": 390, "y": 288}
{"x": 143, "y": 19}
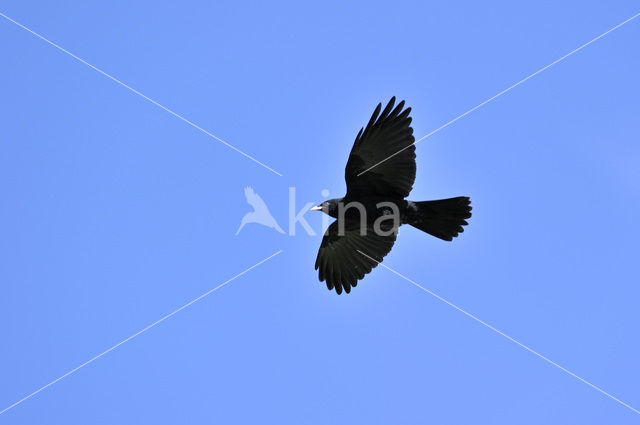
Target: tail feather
{"x": 443, "y": 218}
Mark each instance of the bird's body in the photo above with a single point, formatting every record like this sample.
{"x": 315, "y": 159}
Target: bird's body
{"x": 380, "y": 173}
{"x": 370, "y": 204}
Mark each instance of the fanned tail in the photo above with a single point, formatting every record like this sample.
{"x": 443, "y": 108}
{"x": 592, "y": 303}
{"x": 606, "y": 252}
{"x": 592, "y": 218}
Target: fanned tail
{"x": 443, "y": 218}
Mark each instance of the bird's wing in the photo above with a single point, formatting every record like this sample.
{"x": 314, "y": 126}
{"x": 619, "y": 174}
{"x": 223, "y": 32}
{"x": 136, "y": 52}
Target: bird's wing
{"x": 339, "y": 262}
{"x": 389, "y": 138}
{"x": 254, "y": 199}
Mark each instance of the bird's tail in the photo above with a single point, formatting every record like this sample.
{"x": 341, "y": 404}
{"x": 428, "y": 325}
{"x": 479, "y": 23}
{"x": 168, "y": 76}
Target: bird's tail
{"x": 244, "y": 221}
{"x": 443, "y": 218}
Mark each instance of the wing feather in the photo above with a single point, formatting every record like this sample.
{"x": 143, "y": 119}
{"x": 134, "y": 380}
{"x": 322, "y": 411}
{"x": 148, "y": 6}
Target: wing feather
{"x": 386, "y": 144}
{"x": 339, "y": 263}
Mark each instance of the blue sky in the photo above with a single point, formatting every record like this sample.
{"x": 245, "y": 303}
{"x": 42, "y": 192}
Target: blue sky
{"x": 115, "y": 213}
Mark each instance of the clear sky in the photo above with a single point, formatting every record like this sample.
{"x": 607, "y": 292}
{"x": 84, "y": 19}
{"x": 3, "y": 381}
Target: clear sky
{"x": 115, "y": 213}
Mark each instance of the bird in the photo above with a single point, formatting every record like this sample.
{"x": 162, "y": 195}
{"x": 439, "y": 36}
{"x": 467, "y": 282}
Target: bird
{"x": 380, "y": 173}
{"x": 260, "y": 213}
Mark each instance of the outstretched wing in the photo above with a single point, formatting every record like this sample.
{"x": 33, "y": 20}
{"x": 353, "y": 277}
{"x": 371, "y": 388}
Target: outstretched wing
{"x": 255, "y": 200}
{"x": 386, "y": 144}
{"x": 339, "y": 262}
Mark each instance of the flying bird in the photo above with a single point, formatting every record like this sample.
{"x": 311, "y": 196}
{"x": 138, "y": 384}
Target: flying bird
{"x": 260, "y": 213}
{"x": 380, "y": 173}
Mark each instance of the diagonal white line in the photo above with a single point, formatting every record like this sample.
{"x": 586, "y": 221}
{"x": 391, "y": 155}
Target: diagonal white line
{"x": 447, "y": 124}
{"x": 197, "y": 127}
{"x": 504, "y": 335}
{"x": 137, "y": 333}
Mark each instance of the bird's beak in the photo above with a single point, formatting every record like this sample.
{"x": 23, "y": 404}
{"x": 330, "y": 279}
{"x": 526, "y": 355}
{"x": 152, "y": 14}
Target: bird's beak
{"x": 318, "y": 208}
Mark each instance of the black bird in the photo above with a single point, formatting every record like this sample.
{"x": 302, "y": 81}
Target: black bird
{"x": 381, "y": 169}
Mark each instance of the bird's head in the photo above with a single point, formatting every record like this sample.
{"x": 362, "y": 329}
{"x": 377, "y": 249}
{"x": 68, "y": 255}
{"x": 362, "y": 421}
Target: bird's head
{"x": 329, "y": 207}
